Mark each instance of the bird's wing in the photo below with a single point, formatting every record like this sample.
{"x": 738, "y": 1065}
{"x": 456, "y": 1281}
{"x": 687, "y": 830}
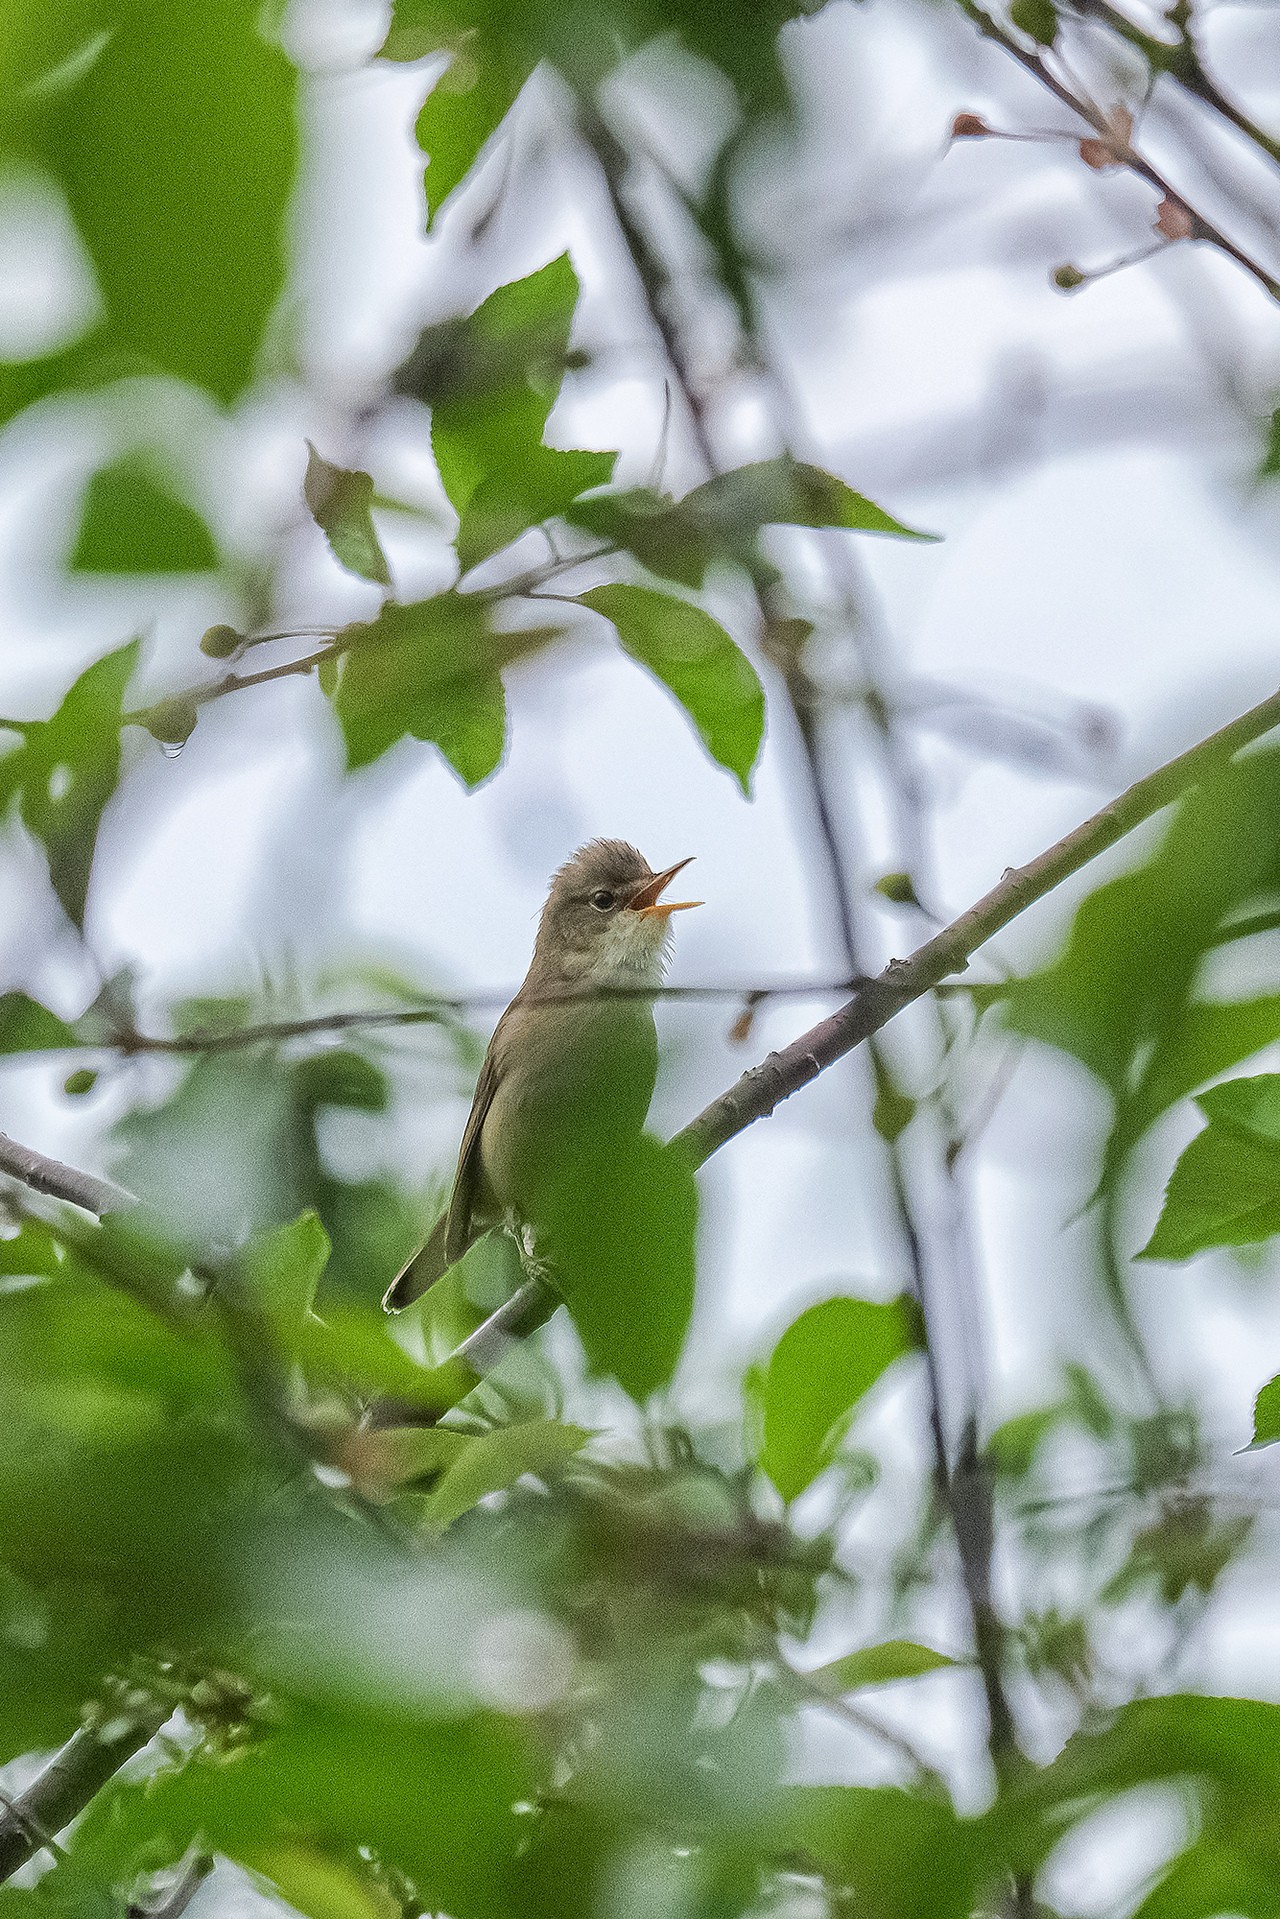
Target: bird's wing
{"x": 453, "y": 1232}
{"x": 466, "y": 1181}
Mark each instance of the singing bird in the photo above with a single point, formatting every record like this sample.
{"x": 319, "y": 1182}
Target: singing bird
{"x": 572, "y": 1062}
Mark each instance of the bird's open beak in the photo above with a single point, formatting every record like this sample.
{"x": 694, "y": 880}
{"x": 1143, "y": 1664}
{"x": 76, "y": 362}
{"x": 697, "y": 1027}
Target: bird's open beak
{"x": 647, "y": 903}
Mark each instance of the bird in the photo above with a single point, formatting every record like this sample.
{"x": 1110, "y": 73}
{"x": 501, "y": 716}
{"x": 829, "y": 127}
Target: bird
{"x": 570, "y": 1069}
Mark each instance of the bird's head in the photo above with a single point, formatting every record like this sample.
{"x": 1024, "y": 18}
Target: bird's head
{"x": 605, "y": 922}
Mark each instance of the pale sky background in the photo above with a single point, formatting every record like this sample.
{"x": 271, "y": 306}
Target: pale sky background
{"x": 1087, "y": 460}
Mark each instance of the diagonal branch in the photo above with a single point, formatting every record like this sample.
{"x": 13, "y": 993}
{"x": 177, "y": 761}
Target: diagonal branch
{"x": 52, "y": 1176}
{"x": 764, "y": 1087}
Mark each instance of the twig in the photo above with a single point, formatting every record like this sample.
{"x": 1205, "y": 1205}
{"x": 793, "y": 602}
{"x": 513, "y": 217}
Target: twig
{"x": 69, "y": 1781}
{"x": 52, "y": 1176}
{"x": 763, "y": 1087}
{"x": 183, "y": 1890}
{"x": 1180, "y": 60}
{"x": 1125, "y": 153}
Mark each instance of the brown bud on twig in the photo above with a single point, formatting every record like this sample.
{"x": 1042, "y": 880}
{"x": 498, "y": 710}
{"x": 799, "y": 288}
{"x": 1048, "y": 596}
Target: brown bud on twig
{"x": 1111, "y": 147}
{"x": 969, "y": 126}
{"x": 1068, "y": 278}
{"x": 1174, "y": 221}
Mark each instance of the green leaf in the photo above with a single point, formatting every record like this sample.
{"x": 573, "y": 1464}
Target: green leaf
{"x": 435, "y": 1801}
{"x": 722, "y": 519}
{"x": 1266, "y": 1415}
{"x": 696, "y": 660}
{"x": 1120, "y": 997}
{"x": 430, "y": 669}
{"x": 1225, "y": 1188}
{"x": 463, "y": 110}
{"x": 879, "y": 1665}
{"x": 1037, "y": 18}
{"x": 176, "y": 148}
{"x": 282, "y": 1269}
{"x": 820, "y": 1368}
{"x": 340, "y": 502}
{"x": 622, "y": 1219}
{"x": 66, "y": 770}
{"x": 491, "y": 381}
{"x": 585, "y": 39}
{"x": 132, "y": 521}
{"x": 899, "y": 1855}
{"x": 28, "y": 1027}
{"x": 496, "y": 1460}
{"x": 1269, "y": 465}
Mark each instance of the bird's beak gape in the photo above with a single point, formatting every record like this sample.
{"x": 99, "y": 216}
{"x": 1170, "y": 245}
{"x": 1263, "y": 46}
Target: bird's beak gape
{"x": 647, "y": 903}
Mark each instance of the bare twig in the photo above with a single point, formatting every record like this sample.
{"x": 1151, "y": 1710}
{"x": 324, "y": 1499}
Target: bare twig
{"x": 52, "y": 1176}
{"x": 1125, "y": 153}
{"x": 69, "y": 1781}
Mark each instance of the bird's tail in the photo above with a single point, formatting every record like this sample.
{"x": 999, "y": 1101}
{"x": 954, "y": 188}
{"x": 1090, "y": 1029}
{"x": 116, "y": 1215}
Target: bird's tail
{"x": 428, "y": 1264}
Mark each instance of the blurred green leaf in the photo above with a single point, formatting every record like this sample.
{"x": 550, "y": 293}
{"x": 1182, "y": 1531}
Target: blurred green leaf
{"x": 282, "y": 1269}
{"x": 1269, "y": 465}
{"x": 463, "y": 110}
{"x": 491, "y": 381}
{"x": 322, "y": 1886}
{"x": 1037, "y": 18}
{"x": 28, "y": 1027}
{"x": 696, "y": 660}
{"x": 435, "y": 1801}
{"x": 586, "y": 40}
{"x": 430, "y": 670}
{"x": 879, "y": 1665}
{"x": 622, "y": 1216}
{"x": 900, "y": 1855}
{"x": 340, "y": 503}
{"x": 1225, "y": 1188}
{"x": 132, "y": 521}
{"x": 722, "y": 519}
{"x": 186, "y": 234}
{"x": 819, "y": 1370}
{"x": 493, "y": 1461}
{"x": 1121, "y": 996}
{"x": 1266, "y": 1414}
{"x": 66, "y": 770}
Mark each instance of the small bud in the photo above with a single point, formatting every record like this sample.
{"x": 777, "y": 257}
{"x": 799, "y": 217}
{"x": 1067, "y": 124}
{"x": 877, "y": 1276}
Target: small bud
{"x": 1097, "y": 154}
{"x": 1174, "y": 221}
{"x": 82, "y": 1081}
{"x": 898, "y": 888}
{"x": 969, "y": 126}
{"x": 172, "y": 722}
{"x": 1068, "y": 278}
{"x": 1037, "y": 18}
{"x": 220, "y": 642}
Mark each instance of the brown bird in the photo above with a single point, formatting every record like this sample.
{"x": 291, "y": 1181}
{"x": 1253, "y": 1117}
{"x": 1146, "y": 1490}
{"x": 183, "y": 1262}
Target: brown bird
{"x": 572, "y": 1062}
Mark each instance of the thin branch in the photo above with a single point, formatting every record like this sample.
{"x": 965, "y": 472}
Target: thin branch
{"x": 52, "y": 1176}
{"x": 70, "y": 1780}
{"x": 436, "y": 1009}
{"x": 183, "y": 1890}
{"x": 902, "y": 982}
{"x": 1180, "y": 60}
{"x": 1126, "y": 155}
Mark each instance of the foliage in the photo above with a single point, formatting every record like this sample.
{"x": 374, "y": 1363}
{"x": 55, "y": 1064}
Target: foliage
{"x": 538, "y": 1633}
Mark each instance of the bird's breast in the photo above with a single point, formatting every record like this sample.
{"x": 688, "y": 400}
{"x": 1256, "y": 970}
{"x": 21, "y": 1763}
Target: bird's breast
{"x": 572, "y": 1077}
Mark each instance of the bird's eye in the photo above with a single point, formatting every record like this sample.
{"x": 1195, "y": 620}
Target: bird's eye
{"x": 603, "y": 900}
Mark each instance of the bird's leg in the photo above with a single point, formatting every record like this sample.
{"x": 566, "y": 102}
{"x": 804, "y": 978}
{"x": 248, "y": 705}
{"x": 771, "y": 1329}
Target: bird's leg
{"x": 526, "y": 1239}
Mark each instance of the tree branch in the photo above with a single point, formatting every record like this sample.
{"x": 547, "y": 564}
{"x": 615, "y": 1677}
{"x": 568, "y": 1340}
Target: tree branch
{"x": 60, "y": 1181}
{"x": 765, "y": 1086}
{"x": 1125, "y": 154}
{"x": 70, "y": 1780}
